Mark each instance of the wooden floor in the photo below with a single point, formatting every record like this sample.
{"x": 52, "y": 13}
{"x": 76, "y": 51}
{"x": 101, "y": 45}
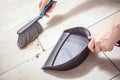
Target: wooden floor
{"x": 17, "y": 64}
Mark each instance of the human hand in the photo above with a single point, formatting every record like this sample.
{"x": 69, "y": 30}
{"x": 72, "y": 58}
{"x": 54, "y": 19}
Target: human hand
{"x": 42, "y": 4}
{"x": 105, "y": 40}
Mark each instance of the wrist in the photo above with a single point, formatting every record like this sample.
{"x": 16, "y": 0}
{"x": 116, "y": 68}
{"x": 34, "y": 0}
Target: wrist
{"x": 116, "y": 22}
{"x": 116, "y": 30}
{"x": 116, "y": 27}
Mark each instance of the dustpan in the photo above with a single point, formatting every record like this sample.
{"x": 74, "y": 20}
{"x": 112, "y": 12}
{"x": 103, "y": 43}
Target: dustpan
{"x": 70, "y": 51}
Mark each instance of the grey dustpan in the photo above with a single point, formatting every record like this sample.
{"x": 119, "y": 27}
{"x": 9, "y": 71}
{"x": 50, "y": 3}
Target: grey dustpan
{"x": 70, "y": 51}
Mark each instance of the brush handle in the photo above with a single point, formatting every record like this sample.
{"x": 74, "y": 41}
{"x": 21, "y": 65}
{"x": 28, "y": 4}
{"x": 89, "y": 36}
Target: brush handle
{"x": 47, "y": 7}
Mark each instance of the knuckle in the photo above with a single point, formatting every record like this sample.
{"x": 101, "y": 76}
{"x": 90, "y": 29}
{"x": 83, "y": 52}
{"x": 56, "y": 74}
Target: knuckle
{"x": 97, "y": 51}
{"x": 97, "y": 42}
{"x": 89, "y": 47}
{"x": 44, "y": 2}
{"x": 108, "y": 48}
{"x": 103, "y": 46}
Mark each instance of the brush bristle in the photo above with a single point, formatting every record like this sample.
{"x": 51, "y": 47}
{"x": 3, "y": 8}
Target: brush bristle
{"x": 22, "y": 40}
{"x": 28, "y": 25}
{"x": 29, "y": 34}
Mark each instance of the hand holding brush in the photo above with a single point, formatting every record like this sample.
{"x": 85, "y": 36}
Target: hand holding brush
{"x": 32, "y": 29}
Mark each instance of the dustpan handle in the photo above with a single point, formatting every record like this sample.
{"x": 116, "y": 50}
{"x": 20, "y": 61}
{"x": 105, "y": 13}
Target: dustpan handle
{"x": 47, "y": 7}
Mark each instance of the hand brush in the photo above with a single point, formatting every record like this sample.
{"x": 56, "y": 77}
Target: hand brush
{"x": 31, "y": 30}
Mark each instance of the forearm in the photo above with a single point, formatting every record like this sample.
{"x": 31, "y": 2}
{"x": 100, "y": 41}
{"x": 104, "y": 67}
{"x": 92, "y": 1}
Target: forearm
{"x": 116, "y": 22}
{"x": 116, "y": 26}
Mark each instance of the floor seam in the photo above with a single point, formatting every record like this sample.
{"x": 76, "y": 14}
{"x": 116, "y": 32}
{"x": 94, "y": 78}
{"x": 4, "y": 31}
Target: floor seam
{"x": 22, "y": 63}
{"x": 115, "y": 76}
{"x": 113, "y": 65}
{"x": 13, "y": 67}
{"x": 14, "y": 27}
{"x": 103, "y": 18}
{"x": 112, "y": 62}
{"x": 17, "y": 65}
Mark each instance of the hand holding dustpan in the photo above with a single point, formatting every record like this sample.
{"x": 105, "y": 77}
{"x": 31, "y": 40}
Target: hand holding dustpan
{"x": 71, "y": 49}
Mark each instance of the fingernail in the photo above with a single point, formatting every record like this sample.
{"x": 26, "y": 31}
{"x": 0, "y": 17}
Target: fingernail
{"x": 89, "y": 37}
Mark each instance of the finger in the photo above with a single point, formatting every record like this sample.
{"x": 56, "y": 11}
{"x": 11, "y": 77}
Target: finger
{"x": 40, "y": 4}
{"x": 46, "y": 15}
{"x": 43, "y": 4}
{"x": 106, "y": 48}
{"x": 103, "y": 49}
{"x": 111, "y": 48}
{"x": 91, "y": 45}
{"x": 89, "y": 37}
{"x": 51, "y": 9}
{"x": 97, "y": 47}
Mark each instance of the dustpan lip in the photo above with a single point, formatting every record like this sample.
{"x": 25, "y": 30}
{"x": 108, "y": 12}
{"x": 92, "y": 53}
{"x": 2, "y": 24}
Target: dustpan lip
{"x": 75, "y": 31}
